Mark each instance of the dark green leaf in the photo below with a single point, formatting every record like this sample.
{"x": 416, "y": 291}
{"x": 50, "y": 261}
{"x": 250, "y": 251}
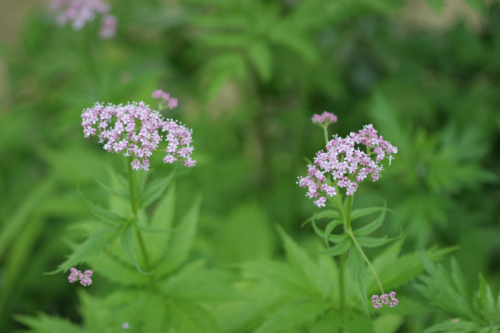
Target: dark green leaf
{"x": 338, "y": 249}
{"x": 128, "y": 246}
{"x": 155, "y": 189}
{"x": 260, "y": 55}
{"x": 356, "y": 264}
{"x": 369, "y": 228}
{"x": 188, "y": 316}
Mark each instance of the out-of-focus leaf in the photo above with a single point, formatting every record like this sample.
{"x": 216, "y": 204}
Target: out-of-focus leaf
{"x": 155, "y": 189}
{"x": 356, "y": 265}
{"x": 261, "y": 57}
{"x": 95, "y": 244}
{"x": 127, "y": 238}
{"x": 293, "y": 314}
{"x": 49, "y": 324}
{"x": 462, "y": 326}
{"x": 387, "y": 323}
{"x": 477, "y": 5}
{"x": 338, "y": 249}
{"x": 286, "y": 35}
{"x": 436, "y": 5}
{"x": 371, "y": 227}
{"x": 180, "y": 244}
{"x": 188, "y": 316}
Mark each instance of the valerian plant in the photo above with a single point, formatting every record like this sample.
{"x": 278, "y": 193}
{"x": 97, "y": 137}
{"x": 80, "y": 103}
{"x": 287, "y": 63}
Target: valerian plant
{"x": 159, "y": 290}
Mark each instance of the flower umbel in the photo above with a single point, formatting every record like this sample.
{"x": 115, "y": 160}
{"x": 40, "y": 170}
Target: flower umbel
{"x": 79, "y": 12}
{"x": 164, "y": 99}
{"x": 77, "y": 275}
{"x": 384, "y": 299}
{"x": 135, "y": 130}
{"x": 347, "y": 164}
{"x": 325, "y": 118}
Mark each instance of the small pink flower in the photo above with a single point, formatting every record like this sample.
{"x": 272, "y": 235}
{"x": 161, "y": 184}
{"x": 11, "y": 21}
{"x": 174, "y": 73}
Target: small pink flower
{"x": 108, "y": 27}
{"x": 77, "y": 275}
{"x": 136, "y": 130}
{"x": 165, "y": 99}
{"x": 385, "y": 299}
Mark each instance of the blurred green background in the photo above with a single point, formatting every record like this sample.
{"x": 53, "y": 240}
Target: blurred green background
{"x": 249, "y": 75}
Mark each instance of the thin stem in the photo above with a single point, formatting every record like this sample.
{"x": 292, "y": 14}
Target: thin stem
{"x": 325, "y": 130}
{"x": 134, "y": 202}
{"x": 366, "y": 259}
{"x": 348, "y": 212}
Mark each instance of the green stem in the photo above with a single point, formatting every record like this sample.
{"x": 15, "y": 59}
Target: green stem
{"x": 348, "y": 212}
{"x": 366, "y": 259}
{"x": 134, "y": 202}
{"x": 325, "y": 130}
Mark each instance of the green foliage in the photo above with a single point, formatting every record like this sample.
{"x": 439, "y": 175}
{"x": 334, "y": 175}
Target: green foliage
{"x": 449, "y": 291}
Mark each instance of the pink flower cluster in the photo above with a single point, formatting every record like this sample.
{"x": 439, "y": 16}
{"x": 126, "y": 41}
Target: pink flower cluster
{"x": 165, "y": 99}
{"x": 77, "y": 275}
{"x": 347, "y": 165}
{"x": 384, "y": 299}
{"x": 133, "y": 130}
{"x": 79, "y": 12}
{"x": 326, "y": 118}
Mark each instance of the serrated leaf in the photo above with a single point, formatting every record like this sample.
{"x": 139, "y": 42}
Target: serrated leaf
{"x": 94, "y": 245}
{"x": 357, "y": 213}
{"x": 102, "y": 214}
{"x": 155, "y": 189}
{"x": 329, "y": 228}
{"x": 149, "y": 229}
{"x": 291, "y": 315}
{"x": 178, "y": 249}
{"x": 127, "y": 239}
{"x": 459, "y": 279}
{"x": 260, "y": 55}
{"x": 162, "y": 218}
{"x": 338, "y": 249}
{"x": 485, "y": 300}
{"x": 372, "y": 226}
{"x": 49, "y": 324}
{"x": 356, "y": 264}
{"x": 374, "y": 242}
{"x": 461, "y": 326}
{"x": 113, "y": 190}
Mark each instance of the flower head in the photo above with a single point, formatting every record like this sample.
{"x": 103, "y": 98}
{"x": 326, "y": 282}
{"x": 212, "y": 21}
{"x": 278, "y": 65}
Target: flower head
{"x": 79, "y": 12}
{"x": 77, "y": 275}
{"x": 165, "y": 99}
{"x": 385, "y": 299}
{"x": 346, "y": 163}
{"x": 136, "y": 130}
{"x": 325, "y": 118}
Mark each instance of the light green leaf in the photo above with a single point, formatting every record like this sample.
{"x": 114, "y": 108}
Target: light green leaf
{"x": 329, "y": 228}
{"x": 369, "y": 228}
{"x": 149, "y": 229}
{"x": 291, "y": 315}
{"x": 338, "y": 249}
{"x": 329, "y": 323}
{"x": 96, "y": 243}
{"x": 260, "y": 55}
{"x": 178, "y": 249}
{"x": 356, "y": 265}
{"x": 162, "y": 218}
{"x": 113, "y": 190}
{"x": 357, "y": 322}
{"x": 332, "y": 214}
{"x": 461, "y": 326}
{"x": 485, "y": 300}
{"x": 191, "y": 317}
{"x": 155, "y": 189}
{"x": 387, "y": 323}
{"x": 48, "y": 324}
{"x": 127, "y": 239}
{"x": 374, "y": 242}
{"x": 357, "y": 213}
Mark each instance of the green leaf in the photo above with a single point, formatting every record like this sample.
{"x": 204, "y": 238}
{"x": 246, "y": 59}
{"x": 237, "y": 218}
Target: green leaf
{"x": 155, "y": 189}
{"x": 369, "y": 228}
{"x": 329, "y": 229}
{"x": 332, "y": 214}
{"x": 387, "y": 323}
{"x": 291, "y": 315}
{"x": 162, "y": 218}
{"x": 461, "y": 326}
{"x": 260, "y": 55}
{"x": 96, "y": 243}
{"x": 358, "y": 322}
{"x": 285, "y": 34}
{"x": 178, "y": 249}
{"x": 113, "y": 190}
{"x": 374, "y": 242}
{"x": 436, "y": 5}
{"x": 356, "y": 264}
{"x": 485, "y": 300}
{"x": 102, "y": 214}
{"x": 149, "y": 229}
{"x": 338, "y": 249}
{"x": 357, "y": 213}
{"x": 188, "y": 316}
{"x": 329, "y": 323}
{"x": 127, "y": 239}
{"x": 48, "y": 324}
